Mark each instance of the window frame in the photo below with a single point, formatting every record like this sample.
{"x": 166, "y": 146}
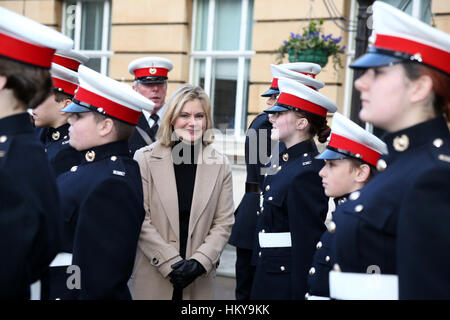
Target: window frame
{"x": 209, "y": 55}
{"x": 104, "y": 54}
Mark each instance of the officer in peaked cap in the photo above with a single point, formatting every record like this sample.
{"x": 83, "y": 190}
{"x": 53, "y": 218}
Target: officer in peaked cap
{"x": 102, "y": 196}
{"x": 29, "y": 203}
{"x": 242, "y": 234}
{"x": 351, "y": 157}
{"x": 398, "y": 224}
{"x": 53, "y": 127}
{"x": 293, "y": 205}
{"x": 150, "y": 74}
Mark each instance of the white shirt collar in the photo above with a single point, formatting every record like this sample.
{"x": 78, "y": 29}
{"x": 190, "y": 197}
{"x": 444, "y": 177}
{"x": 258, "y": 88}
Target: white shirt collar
{"x": 160, "y": 113}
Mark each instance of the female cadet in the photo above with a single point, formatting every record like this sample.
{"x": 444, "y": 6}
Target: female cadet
{"x": 188, "y": 199}
{"x": 29, "y": 202}
{"x": 350, "y": 160}
{"x": 398, "y": 224}
{"x": 258, "y": 134}
{"x": 294, "y": 205}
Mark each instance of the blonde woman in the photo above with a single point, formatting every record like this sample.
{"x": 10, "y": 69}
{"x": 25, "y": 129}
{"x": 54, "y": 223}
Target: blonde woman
{"x": 189, "y": 204}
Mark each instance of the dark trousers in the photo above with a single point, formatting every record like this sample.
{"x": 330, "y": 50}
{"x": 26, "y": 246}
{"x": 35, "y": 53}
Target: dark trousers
{"x": 244, "y": 273}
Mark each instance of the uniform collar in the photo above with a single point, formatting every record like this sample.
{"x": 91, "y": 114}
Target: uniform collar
{"x": 59, "y": 133}
{"x": 118, "y": 148}
{"x": 416, "y": 136}
{"x": 18, "y": 123}
{"x": 298, "y": 150}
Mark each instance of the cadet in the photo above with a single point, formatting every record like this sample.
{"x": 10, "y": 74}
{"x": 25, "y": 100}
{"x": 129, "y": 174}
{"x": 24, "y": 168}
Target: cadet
{"x": 54, "y": 129}
{"x": 350, "y": 160}
{"x": 102, "y": 200}
{"x": 150, "y": 74}
{"x": 28, "y": 194}
{"x": 242, "y": 235}
{"x": 398, "y": 224}
{"x": 293, "y": 203}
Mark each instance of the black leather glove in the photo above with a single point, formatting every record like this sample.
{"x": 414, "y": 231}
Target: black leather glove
{"x": 185, "y": 272}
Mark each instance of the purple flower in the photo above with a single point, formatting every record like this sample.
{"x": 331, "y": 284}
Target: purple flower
{"x": 337, "y": 40}
{"x": 343, "y": 48}
{"x": 285, "y": 42}
{"x": 292, "y": 35}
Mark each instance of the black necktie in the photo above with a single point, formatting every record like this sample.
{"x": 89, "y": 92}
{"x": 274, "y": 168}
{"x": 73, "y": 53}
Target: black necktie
{"x": 154, "y": 128}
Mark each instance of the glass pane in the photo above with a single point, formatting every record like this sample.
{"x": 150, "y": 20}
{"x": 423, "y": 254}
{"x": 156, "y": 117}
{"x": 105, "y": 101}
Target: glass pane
{"x": 201, "y": 25}
{"x": 92, "y": 25}
{"x": 227, "y": 24}
{"x": 69, "y": 28}
{"x": 224, "y": 93}
{"x": 425, "y": 8}
{"x": 94, "y": 64}
{"x": 199, "y": 73}
{"x": 245, "y": 96}
{"x": 250, "y": 22}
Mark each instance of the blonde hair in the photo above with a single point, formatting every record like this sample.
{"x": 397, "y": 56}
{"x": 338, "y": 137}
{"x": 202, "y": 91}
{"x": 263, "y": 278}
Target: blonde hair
{"x": 177, "y": 100}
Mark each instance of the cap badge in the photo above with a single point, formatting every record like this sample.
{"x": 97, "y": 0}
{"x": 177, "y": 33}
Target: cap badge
{"x": 401, "y": 143}
{"x": 56, "y": 135}
{"x": 152, "y": 70}
{"x": 90, "y": 156}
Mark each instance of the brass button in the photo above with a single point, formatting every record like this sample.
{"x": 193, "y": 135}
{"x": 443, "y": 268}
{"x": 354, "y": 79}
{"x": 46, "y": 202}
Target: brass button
{"x": 359, "y": 208}
{"x": 3, "y": 139}
{"x": 90, "y": 156}
{"x": 258, "y": 213}
{"x": 263, "y": 231}
{"x": 381, "y": 165}
{"x": 155, "y": 261}
{"x": 438, "y": 142}
{"x": 331, "y": 227}
{"x": 262, "y": 209}
{"x": 282, "y": 268}
{"x": 270, "y": 198}
{"x": 259, "y": 254}
{"x": 336, "y": 268}
{"x": 279, "y": 168}
{"x": 319, "y": 245}
{"x": 267, "y": 188}
{"x": 306, "y": 296}
{"x": 113, "y": 158}
{"x": 56, "y": 135}
{"x": 74, "y": 168}
{"x": 401, "y": 143}
{"x": 305, "y": 155}
{"x": 327, "y": 258}
{"x": 312, "y": 271}
{"x": 285, "y": 157}
{"x": 354, "y": 195}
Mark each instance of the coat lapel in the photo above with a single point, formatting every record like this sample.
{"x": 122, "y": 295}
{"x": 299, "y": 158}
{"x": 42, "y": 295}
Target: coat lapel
{"x": 205, "y": 180}
{"x": 163, "y": 175}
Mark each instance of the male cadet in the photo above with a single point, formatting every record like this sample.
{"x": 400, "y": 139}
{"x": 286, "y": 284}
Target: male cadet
{"x": 29, "y": 202}
{"x": 102, "y": 198}
{"x": 54, "y": 129}
{"x": 150, "y": 74}
{"x": 258, "y": 135}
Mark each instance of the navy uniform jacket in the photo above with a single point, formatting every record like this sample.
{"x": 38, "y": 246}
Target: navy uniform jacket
{"x": 136, "y": 141}
{"x": 322, "y": 263}
{"x": 61, "y": 155}
{"x": 293, "y": 201}
{"x": 103, "y": 214}
{"x": 400, "y": 220}
{"x": 242, "y": 233}
{"x": 29, "y": 208}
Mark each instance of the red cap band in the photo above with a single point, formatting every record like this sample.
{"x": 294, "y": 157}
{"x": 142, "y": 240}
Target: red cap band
{"x": 313, "y": 75}
{"x": 430, "y": 55}
{"x": 340, "y": 142}
{"x": 111, "y": 108}
{"x": 274, "y": 84}
{"x": 294, "y": 101}
{"x": 26, "y": 52}
{"x": 67, "y": 62}
{"x": 66, "y": 86}
{"x": 151, "y": 72}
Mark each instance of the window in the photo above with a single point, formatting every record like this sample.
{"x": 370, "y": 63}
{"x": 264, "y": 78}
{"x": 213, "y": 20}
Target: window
{"x": 220, "y": 58}
{"x": 87, "y": 22}
{"x": 420, "y": 9}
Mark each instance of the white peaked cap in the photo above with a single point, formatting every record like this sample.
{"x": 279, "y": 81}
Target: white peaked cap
{"x": 150, "y": 69}
{"x": 28, "y": 41}
{"x": 70, "y": 59}
{"x": 349, "y": 139}
{"x": 109, "y": 97}
{"x": 303, "y": 67}
{"x": 64, "y": 79}
{"x": 296, "y": 95}
{"x": 280, "y": 72}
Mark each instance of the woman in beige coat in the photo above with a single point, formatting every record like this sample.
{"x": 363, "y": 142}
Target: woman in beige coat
{"x": 189, "y": 204}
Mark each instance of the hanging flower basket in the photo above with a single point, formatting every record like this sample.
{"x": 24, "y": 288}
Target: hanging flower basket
{"x": 312, "y": 46}
{"x": 318, "y": 56}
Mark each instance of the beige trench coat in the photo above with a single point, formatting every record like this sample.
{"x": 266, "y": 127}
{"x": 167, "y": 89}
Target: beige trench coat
{"x": 210, "y": 223}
